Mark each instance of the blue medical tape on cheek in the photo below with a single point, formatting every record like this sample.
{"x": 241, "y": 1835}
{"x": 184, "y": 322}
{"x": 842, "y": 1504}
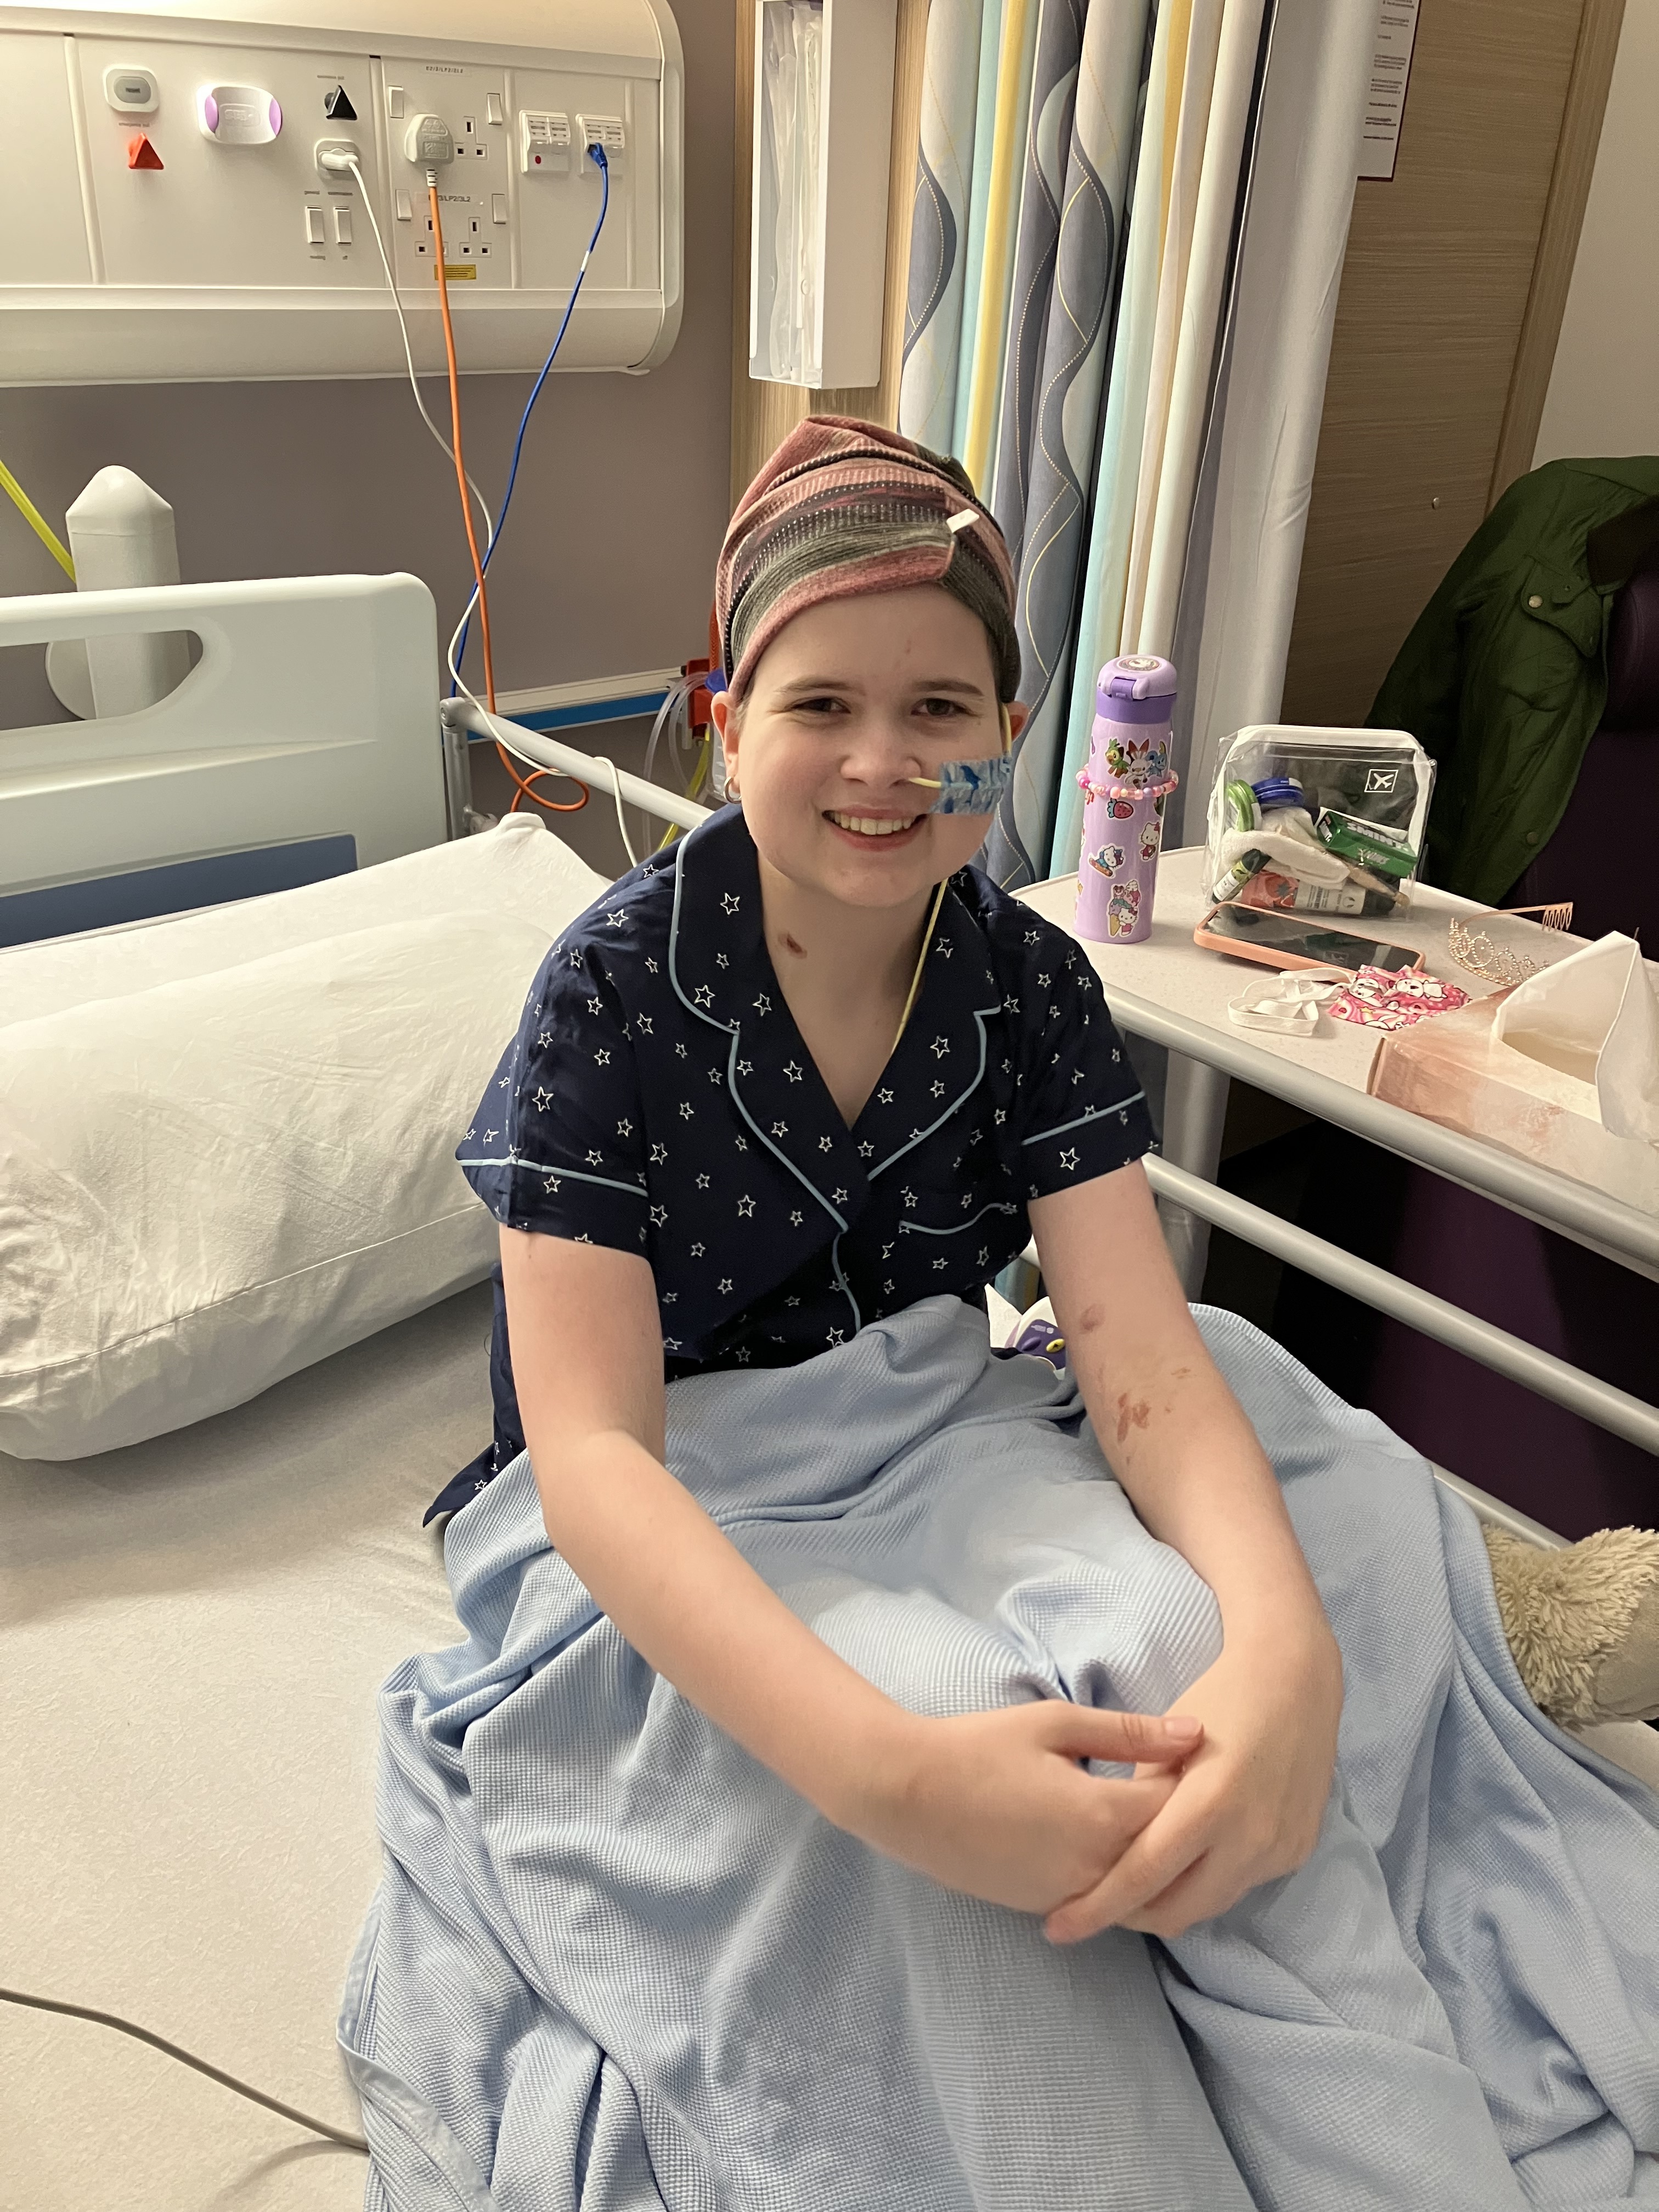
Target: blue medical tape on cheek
{"x": 971, "y": 787}
{"x": 974, "y": 787}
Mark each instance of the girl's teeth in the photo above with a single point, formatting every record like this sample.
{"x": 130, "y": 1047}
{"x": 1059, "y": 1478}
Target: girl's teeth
{"x": 867, "y": 827}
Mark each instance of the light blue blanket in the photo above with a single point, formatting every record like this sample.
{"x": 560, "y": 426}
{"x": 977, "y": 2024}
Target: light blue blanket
{"x": 616, "y": 1964}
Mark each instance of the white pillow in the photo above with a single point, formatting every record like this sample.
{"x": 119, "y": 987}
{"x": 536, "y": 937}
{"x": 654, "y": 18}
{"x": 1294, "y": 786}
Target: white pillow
{"x": 211, "y": 1183}
{"x": 518, "y": 867}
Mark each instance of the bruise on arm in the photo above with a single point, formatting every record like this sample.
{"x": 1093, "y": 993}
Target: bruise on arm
{"x": 1130, "y": 1415}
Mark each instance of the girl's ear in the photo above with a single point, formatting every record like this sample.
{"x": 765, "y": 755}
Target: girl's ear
{"x": 1017, "y": 718}
{"x": 727, "y": 730}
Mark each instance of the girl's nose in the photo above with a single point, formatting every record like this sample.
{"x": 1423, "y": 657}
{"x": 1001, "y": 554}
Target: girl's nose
{"x": 880, "y": 750}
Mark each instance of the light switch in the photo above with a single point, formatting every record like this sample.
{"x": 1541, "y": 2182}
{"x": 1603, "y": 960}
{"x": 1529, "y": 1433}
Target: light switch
{"x": 394, "y": 102}
{"x": 498, "y": 207}
{"x": 493, "y": 110}
{"x": 313, "y": 226}
{"x": 343, "y": 226}
{"x": 402, "y": 207}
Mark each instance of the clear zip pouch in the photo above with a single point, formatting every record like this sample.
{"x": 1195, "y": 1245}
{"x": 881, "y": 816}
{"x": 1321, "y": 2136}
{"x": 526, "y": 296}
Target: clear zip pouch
{"x": 1305, "y": 820}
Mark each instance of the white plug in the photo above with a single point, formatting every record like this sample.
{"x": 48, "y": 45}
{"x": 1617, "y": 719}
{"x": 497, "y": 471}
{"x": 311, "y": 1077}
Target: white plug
{"x": 337, "y": 157}
{"x": 428, "y": 142}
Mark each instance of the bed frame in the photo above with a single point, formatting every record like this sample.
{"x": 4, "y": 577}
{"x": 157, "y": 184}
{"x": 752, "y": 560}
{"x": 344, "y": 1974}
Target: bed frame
{"x": 304, "y": 742}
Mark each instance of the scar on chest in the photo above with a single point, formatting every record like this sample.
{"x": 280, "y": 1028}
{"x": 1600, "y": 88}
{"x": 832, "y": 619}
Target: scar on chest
{"x": 790, "y": 946}
{"x": 1130, "y": 1416}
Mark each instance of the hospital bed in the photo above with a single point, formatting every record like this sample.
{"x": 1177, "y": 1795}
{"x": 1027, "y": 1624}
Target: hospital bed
{"x": 192, "y": 1630}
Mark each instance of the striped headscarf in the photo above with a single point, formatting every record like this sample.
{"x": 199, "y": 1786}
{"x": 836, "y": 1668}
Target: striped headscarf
{"x": 845, "y": 508}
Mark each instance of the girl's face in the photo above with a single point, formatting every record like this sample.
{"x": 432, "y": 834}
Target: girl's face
{"x": 850, "y": 699}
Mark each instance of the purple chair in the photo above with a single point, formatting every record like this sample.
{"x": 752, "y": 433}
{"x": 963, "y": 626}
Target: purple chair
{"x": 1563, "y": 1471}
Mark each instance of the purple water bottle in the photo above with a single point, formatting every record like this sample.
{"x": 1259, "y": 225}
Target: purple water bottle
{"x": 1126, "y": 781}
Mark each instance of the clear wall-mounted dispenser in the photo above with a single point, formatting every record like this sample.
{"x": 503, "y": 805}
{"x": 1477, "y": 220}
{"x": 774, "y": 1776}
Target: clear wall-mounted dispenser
{"x": 817, "y": 257}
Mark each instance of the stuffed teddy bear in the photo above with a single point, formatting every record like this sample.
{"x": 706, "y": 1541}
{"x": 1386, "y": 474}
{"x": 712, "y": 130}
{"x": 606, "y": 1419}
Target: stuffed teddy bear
{"x": 1582, "y": 1623}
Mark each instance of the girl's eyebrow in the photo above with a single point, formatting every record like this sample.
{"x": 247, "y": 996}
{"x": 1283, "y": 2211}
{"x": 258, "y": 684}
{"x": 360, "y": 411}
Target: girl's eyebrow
{"x": 799, "y": 686}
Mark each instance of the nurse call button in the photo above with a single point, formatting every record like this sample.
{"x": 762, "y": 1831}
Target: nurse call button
{"x": 131, "y": 91}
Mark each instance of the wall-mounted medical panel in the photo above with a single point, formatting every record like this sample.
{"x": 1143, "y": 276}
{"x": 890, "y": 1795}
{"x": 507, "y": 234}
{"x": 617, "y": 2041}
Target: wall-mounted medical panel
{"x": 169, "y": 218}
{"x": 823, "y": 112}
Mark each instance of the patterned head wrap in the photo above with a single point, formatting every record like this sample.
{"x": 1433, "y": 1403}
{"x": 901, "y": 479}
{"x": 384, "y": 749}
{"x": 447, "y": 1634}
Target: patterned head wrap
{"x": 845, "y": 508}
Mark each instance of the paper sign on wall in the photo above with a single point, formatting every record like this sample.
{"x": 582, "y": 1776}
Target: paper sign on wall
{"x": 1385, "y": 103}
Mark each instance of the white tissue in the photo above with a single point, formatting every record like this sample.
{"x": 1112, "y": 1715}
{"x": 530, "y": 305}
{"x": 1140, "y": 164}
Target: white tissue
{"x": 1594, "y": 1016}
{"x": 1294, "y": 856}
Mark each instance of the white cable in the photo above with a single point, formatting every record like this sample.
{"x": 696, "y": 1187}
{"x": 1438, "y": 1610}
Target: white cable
{"x": 616, "y": 793}
{"x": 349, "y": 161}
{"x": 496, "y": 726}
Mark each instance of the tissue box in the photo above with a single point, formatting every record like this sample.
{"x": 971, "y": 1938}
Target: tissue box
{"x": 1455, "y": 1071}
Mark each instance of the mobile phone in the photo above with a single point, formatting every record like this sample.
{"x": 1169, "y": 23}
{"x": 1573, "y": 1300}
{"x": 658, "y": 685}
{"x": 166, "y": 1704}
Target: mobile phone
{"x": 1294, "y": 941}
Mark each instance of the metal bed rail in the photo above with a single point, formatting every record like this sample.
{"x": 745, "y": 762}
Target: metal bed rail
{"x": 1577, "y": 1206}
{"x": 1449, "y": 1324}
{"x": 547, "y": 753}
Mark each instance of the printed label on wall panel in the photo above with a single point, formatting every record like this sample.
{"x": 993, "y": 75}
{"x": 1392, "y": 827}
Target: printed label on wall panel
{"x": 1391, "y": 69}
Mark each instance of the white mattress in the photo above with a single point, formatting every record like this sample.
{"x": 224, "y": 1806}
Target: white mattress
{"x": 191, "y": 1634}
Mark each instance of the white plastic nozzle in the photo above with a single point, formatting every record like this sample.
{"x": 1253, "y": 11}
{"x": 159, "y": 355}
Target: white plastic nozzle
{"x": 121, "y": 534}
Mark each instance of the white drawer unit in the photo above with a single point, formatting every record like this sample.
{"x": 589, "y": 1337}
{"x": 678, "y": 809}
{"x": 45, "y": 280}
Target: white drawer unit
{"x": 170, "y": 219}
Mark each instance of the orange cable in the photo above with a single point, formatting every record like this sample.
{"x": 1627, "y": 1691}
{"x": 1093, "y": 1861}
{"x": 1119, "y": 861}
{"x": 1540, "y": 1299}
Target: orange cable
{"x": 455, "y": 427}
{"x": 523, "y": 783}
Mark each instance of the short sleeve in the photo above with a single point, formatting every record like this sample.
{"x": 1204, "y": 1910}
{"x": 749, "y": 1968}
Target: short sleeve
{"x": 1082, "y": 1110}
{"x": 557, "y": 1145}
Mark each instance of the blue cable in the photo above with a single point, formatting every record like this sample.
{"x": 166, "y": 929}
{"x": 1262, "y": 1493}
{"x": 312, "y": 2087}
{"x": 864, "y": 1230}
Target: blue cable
{"x": 598, "y": 153}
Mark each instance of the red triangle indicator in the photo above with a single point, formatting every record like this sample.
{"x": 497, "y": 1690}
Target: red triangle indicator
{"x": 140, "y": 154}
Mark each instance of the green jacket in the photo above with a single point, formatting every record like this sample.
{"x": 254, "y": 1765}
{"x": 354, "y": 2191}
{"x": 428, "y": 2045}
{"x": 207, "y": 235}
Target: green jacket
{"x": 1504, "y": 677}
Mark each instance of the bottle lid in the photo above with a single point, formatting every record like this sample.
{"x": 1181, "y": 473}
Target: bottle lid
{"x": 1134, "y": 676}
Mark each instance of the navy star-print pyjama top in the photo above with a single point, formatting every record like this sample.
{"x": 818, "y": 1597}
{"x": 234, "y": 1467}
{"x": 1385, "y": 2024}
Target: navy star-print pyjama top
{"x": 658, "y": 1098}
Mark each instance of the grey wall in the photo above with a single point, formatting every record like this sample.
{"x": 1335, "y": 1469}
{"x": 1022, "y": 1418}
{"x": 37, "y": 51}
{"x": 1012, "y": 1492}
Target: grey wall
{"x": 608, "y": 561}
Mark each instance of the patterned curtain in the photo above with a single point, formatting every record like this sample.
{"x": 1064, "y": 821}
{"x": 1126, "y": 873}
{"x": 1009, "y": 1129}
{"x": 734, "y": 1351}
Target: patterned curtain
{"x": 1011, "y": 113}
{"x": 1201, "y": 95}
{"x": 1077, "y": 335}
{"x": 1066, "y": 432}
{"x": 1053, "y": 84}
{"x": 940, "y": 222}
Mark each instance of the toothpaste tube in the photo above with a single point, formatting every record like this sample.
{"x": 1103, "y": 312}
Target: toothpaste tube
{"x": 1384, "y": 851}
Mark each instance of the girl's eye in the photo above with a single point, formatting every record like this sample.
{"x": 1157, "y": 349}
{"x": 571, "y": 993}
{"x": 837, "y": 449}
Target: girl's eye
{"x": 827, "y": 704}
{"x": 940, "y": 710}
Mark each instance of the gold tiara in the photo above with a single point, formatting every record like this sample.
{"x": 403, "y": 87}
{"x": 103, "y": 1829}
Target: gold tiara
{"x": 1477, "y": 954}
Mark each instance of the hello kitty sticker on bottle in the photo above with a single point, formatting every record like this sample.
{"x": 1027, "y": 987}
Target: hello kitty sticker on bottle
{"x": 1125, "y": 783}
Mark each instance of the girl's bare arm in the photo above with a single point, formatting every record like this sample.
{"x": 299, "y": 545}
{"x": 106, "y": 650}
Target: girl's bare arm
{"x": 1249, "y": 1805}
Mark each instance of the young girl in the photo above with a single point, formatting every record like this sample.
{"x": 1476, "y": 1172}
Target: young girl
{"x": 786, "y": 1099}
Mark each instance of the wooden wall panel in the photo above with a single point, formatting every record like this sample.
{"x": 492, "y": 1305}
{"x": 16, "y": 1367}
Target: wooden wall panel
{"x": 1435, "y": 289}
{"x": 1558, "y": 244}
{"x": 762, "y": 415}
